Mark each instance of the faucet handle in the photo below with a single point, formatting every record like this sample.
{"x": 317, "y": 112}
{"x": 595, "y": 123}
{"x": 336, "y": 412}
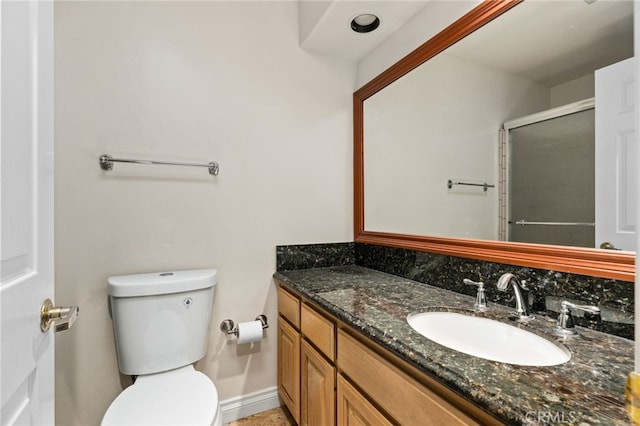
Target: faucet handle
{"x": 481, "y": 298}
{"x": 467, "y": 281}
{"x": 586, "y": 308}
{"x": 565, "y": 325}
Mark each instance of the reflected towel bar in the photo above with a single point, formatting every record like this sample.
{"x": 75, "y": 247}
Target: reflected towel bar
{"x": 106, "y": 163}
{"x": 526, "y": 222}
{"x": 484, "y": 186}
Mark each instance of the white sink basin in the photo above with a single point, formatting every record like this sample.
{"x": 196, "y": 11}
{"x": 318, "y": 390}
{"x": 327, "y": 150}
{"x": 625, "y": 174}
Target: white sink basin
{"x": 488, "y": 339}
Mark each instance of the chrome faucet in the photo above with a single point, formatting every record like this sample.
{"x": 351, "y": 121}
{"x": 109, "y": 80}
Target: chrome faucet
{"x": 565, "y": 325}
{"x": 522, "y": 306}
{"x": 481, "y": 298}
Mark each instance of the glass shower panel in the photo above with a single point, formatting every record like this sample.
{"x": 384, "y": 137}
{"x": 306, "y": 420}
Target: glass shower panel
{"x": 552, "y": 181}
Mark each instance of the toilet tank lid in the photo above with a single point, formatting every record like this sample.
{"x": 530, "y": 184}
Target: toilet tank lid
{"x": 161, "y": 282}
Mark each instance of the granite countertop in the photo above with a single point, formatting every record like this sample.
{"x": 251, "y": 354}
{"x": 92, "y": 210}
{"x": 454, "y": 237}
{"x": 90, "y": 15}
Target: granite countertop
{"x": 587, "y": 390}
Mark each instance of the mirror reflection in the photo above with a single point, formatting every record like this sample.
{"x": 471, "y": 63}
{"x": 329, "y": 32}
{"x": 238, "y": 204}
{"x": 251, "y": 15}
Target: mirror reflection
{"x": 512, "y": 133}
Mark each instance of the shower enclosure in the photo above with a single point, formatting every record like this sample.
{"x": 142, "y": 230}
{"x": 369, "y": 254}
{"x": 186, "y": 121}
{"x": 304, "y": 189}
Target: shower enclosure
{"x": 548, "y": 177}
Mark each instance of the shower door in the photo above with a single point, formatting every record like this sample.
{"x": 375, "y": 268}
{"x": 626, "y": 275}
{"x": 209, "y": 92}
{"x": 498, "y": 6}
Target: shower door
{"x": 550, "y": 183}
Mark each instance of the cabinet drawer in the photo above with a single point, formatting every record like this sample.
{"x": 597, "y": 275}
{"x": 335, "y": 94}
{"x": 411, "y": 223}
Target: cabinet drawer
{"x": 354, "y": 409}
{"x": 407, "y": 401}
{"x": 289, "y": 307}
{"x": 319, "y": 331}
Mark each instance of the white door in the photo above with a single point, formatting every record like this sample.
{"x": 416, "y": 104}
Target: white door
{"x": 616, "y": 156}
{"x": 26, "y": 233}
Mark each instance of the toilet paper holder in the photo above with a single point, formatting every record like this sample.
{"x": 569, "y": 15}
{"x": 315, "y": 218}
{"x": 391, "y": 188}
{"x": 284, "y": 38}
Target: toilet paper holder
{"x": 228, "y": 326}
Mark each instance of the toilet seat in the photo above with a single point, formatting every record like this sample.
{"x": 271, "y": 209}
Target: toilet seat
{"x": 178, "y": 397}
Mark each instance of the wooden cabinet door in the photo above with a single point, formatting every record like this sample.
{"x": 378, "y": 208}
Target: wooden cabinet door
{"x": 289, "y": 367}
{"x": 354, "y": 409}
{"x": 317, "y": 403}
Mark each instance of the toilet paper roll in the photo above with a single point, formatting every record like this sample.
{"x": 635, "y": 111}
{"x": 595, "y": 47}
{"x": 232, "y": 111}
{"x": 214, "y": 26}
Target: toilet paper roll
{"x": 250, "y": 331}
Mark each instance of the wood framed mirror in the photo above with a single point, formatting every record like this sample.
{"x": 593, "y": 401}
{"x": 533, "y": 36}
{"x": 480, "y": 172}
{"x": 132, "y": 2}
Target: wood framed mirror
{"x": 586, "y": 261}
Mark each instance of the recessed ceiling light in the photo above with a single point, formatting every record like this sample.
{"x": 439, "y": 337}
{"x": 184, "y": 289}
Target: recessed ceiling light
{"x": 365, "y": 23}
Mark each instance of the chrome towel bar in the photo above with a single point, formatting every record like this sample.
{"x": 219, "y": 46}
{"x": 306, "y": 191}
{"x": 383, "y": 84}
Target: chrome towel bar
{"x": 484, "y": 186}
{"x": 106, "y": 163}
{"x": 526, "y": 222}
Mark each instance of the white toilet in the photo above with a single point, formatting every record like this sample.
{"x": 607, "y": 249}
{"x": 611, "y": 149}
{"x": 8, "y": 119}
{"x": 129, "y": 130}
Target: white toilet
{"x": 161, "y": 326}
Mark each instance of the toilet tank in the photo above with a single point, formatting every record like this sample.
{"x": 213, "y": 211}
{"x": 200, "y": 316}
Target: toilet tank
{"x": 161, "y": 320}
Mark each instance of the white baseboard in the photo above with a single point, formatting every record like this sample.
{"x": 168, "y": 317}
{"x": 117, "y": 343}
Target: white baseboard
{"x": 247, "y": 405}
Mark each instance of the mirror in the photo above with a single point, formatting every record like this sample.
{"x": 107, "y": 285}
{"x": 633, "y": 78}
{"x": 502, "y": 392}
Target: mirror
{"x": 430, "y": 125}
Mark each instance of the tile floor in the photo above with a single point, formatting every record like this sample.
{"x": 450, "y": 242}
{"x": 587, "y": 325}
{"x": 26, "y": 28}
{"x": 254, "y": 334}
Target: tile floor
{"x": 275, "y": 417}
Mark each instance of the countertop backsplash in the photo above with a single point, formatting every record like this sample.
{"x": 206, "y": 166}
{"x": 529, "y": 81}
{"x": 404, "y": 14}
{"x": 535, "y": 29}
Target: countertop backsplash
{"x": 308, "y": 256}
{"x": 547, "y": 288}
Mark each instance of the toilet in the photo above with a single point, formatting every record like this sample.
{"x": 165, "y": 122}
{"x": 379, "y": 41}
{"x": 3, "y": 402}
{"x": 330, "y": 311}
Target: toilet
{"x": 161, "y": 327}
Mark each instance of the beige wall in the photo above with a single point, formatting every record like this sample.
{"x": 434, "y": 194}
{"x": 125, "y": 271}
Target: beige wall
{"x": 454, "y": 138}
{"x": 190, "y": 81}
{"x": 573, "y": 91}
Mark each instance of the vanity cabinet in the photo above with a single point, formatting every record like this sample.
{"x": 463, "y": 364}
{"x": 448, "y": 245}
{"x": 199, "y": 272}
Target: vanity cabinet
{"x": 317, "y": 383}
{"x": 306, "y": 354}
{"x": 407, "y": 401}
{"x": 344, "y": 378}
{"x": 289, "y": 367}
{"x": 289, "y": 352}
{"x": 354, "y": 409}
{"x": 318, "y": 373}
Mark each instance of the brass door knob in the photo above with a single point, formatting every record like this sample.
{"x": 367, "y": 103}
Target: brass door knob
{"x": 64, "y": 317}
{"x": 608, "y": 246}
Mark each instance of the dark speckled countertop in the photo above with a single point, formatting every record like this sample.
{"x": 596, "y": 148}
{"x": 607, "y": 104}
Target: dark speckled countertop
{"x": 587, "y": 390}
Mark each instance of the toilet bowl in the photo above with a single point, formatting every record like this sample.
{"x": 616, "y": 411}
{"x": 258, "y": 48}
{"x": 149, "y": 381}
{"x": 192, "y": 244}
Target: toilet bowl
{"x": 178, "y": 397}
{"x": 161, "y": 328}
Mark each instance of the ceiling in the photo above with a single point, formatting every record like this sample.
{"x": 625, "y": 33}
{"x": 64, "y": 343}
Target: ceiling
{"x": 572, "y": 40}
{"x": 325, "y": 25}
{"x": 549, "y": 42}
